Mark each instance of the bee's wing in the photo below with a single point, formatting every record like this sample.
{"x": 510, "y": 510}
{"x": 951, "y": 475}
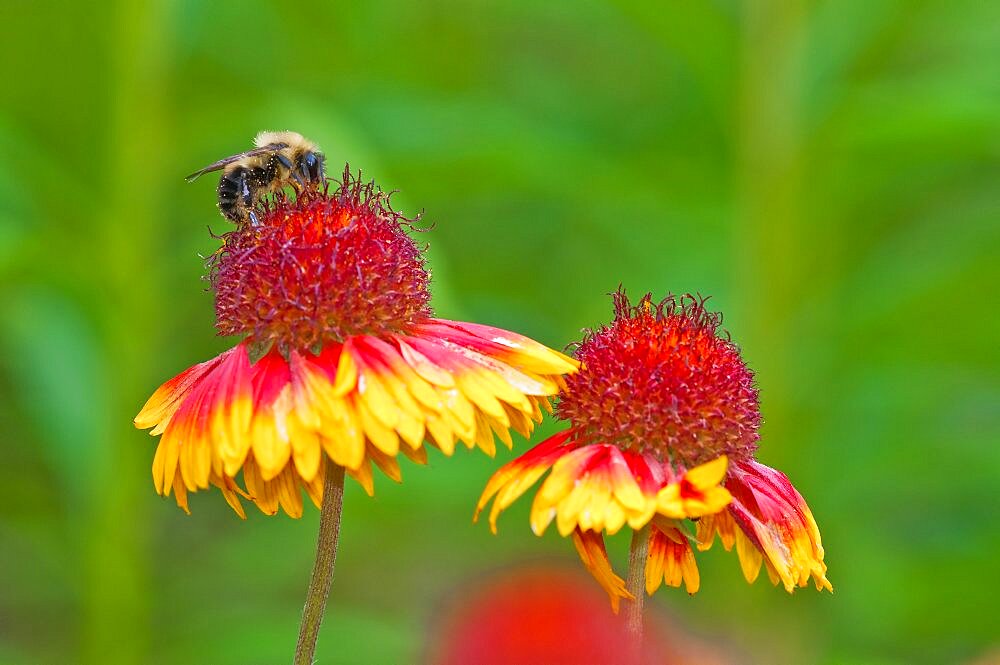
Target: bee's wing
{"x": 221, "y": 164}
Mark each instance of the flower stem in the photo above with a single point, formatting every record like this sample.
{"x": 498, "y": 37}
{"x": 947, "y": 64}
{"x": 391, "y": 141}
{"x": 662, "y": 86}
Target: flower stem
{"x": 326, "y": 556}
{"x": 636, "y": 585}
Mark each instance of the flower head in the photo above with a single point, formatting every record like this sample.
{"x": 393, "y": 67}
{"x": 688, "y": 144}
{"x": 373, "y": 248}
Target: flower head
{"x": 321, "y": 269}
{"x": 663, "y": 426}
{"x": 341, "y": 363}
{"x": 660, "y": 379}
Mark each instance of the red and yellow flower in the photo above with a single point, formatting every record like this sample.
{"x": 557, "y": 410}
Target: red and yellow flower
{"x": 342, "y": 362}
{"x": 664, "y": 420}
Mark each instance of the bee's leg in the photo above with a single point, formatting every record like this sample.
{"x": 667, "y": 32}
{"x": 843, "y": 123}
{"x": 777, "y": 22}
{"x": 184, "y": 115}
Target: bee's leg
{"x": 245, "y": 191}
{"x": 248, "y": 203}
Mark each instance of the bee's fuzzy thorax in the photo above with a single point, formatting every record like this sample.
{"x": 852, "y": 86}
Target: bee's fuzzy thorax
{"x": 294, "y": 140}
{"x": 321, "y": 267}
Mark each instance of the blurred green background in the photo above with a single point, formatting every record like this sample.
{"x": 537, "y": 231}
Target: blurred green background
{"x": 827, "y": 171}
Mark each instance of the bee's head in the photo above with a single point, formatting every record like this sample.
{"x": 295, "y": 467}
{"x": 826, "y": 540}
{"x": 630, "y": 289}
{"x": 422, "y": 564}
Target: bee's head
{"x": 311, "y": 166}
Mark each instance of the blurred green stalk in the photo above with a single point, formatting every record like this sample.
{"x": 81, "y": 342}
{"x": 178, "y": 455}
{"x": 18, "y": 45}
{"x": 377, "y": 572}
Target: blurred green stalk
{"x": 769, "y": 261}
{"x": 117, "y": 597}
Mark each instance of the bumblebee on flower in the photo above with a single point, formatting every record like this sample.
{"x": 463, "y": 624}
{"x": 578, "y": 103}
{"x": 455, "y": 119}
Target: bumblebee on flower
{"x": 342, "y": 362}
{"x": 663, "y": 428}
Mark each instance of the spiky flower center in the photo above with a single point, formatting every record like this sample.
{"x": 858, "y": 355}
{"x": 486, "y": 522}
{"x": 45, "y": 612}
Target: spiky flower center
{"x": 320, "y": 268}
{"x": 662, "y": 379}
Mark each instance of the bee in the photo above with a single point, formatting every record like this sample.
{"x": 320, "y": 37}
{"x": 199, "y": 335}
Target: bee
{"x": 278, "y": 159}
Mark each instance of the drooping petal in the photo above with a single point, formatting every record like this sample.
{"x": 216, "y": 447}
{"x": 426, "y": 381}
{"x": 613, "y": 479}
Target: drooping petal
{"x": 273, "y": 407}
{"x": 284, "y": 490}
{"x": 514, "y": 478}
{"x": 671, "y": 559}
{"x": 720, "y": 523}
{"x": 205, "y": 404}
{"x": 232, "y": 493}
{"x": 590, "y": 547}
{"x": 160, "y": 407}
{"x": 340, "y": 432}
{"x": 776, "y": 522}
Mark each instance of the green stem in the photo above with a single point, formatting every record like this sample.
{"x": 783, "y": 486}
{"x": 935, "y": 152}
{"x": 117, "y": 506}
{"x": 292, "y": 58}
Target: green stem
{"x": 636, "y": 585}
{"x": 326, "y": 556}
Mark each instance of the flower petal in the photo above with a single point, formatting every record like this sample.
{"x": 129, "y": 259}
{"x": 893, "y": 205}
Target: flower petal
{"x": 279, "y": 419}
{"x": 777, "y": 524}
{"x": 671, "y": 559}
{"x": 590, "y": 547}
{"x": 696, "y": 493}
{"x": 520, "y": 350}
{"x": 514, "y": 478}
